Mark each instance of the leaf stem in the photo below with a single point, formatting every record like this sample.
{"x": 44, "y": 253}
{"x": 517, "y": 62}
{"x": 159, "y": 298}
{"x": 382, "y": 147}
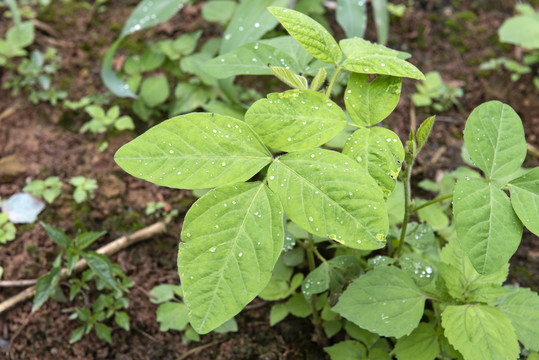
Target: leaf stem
{"x": 407, "y": 200}
{"x": 311, "y": 250}
{"x": 433, "y": 201}
{"x": 332, "y": 81}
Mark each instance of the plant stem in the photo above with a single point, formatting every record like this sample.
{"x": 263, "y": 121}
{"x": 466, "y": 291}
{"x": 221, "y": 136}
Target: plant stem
{"x": 433, "y": 201}
{"x": 316, "y": 317}
{"x": 332, "y": 81}
{"x": 407, "y": 200}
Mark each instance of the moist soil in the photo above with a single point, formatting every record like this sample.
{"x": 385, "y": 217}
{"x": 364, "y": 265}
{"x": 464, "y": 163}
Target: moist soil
{"x": 41, "y": 141}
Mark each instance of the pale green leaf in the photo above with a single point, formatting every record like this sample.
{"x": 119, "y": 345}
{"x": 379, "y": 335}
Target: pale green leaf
{"x": 522, "y": 307}
{"x": 311, "y": 35}
{"x": 352, "y": 16}
{"x": 364, "y": 57}
{"x": 295, "y": 119}
{"x": 232, "y": 237}
{"x": 298, "y": 306}
{"x": 480, "y": 332}
{"x": 219, "y": 10}
{"x": 228, "y": 326}
{"x": 319, "y": 79}
{"x": 278, "y": 312}
{"x": 195, "y": 151}
{"x": 395, "y": 205}
{"x": 251, "y": 20}
{"x": 149, "y": 13}
{"x": 385, "y": 301}
{"x": 289, "y": 78}
{"x": 249, "y": 59}
{"x": 424, "y": 131}
{"x": 461, "y": 279}
{"x": 172, "y": 315}
{"x": 487, "y": 227}
{"x": 495, "y": 139}
{"x": 369, "y": 102}
{"x": 512, "y": 32}
{"x": 22, "y": 35}
{"x": 380, "y": 152}
{"x": 381, "y": 19}
{"x": 154, "y": 90}
{"x": 525, "y": 199}
{"x": 347, "y": 350}
{"x": 328, "y": 194}
{"x": 433, "y": 214}
{"x": 421, "y": 344}
{"x": 288, "y": 45}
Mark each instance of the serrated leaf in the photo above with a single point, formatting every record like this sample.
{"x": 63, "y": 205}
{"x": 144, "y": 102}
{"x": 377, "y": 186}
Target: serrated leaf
{"x": 172, "y": 315}
{"x": 295, "y": 119}
{"x": 311, "y": 35}
{"x": 232, "y": 238}
{"x": 525, "y": 199}
{"x": 251, "y": 20}
{"x": 289, "y": 78}
{"x": 347, "y": 350}
{"x": 352, "y": 17}
{"x": 494, "y": 136}
{"x": 277, "y": 313}
{"x": 480, "y": 332}
{"x": 423, "y": 132}
{"x": 369, "y": 102}
{"x": 522, "y": 307}
{"x": 487, "y": 227}
{"x": 249, "y": 59}
{"x": 329, "y": 195}
{"x": 461, "y": 279}
{"x": 421, "y": 344}
{"x": 385, "y": 301}
{"x": 195, "y": 151}
{"x": 380, "y": 152}
{"x": 364, "y": 57}
{"x": 420, "y": 236}
{"x": 45, "y": 286}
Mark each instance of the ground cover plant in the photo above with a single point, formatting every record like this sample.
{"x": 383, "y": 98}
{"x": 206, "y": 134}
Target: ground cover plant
{"x": 340, "y": 219}
{"x": 232, "y": 236}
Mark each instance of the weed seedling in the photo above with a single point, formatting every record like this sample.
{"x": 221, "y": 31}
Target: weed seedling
{"x": 49, "y": 189}
{"x": 84, "y": 188}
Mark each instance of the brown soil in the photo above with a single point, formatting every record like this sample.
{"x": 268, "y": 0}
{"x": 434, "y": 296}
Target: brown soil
{"x": 45, "y": 142}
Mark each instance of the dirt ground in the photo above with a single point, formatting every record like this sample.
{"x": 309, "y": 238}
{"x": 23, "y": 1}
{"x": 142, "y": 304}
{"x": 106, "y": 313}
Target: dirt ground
{"x": 45, "y": 142}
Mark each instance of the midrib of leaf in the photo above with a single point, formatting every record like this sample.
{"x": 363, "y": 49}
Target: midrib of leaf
{"x": 497, "y": 142}
{"x": 330, "y": 199}
{"x": 229, "y": 256}
{"x": 485, "y": 331}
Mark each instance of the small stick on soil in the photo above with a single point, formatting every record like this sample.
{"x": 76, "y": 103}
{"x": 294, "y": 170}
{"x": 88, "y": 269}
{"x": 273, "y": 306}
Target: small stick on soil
{"x": 197, "y": 349}
{"x": 109, "y": 249}
{"x": 17, "y": 283}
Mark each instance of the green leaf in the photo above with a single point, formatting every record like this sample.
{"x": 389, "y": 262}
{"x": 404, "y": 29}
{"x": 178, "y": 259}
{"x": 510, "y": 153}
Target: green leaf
{"x": 352, "y": 17}
{"x": 329, "y": 195}
{"x": 381, "y": 19}
{"x": 45, "y": 286}
{"x": 292, "y": 48}
{"x": 522, "y": 307}
{"x": 295, "y": 119}
{"x": 249, "y": 59}
{"x": 86, "y": 239}
{"x": 102, "y": 267}
{"x": 172, "y": 315}
{"x": 331, "y": 275}
{"x": 154, "y": 90}
{"x": 21, "y": 35}
{"x": 460, "y": 277}
{"x": 298, "y": 306}
{"x": 124, "y": 123}
{"x": 525, "y": 199}
{"x": 421, "y": 344}
{"x": 369, "y": 102}
{"x": 319, "y": 79}
{"x": 332, "y": 327}
{"x": 277, "y": 313}
{"x": 195, "y": 151}
{"x": 433, "y": 214}
{"x": 420, "y": 236}
{"x": 57, "y": 235}
{"x": 380, "y": 152}
{"x": 487, "y": 227}
{"x": 103, "y": 332}
{"x": 385, "y": 301}
{"x": 162, "y": 293}
{"x": 77, "y": 334}
{"x": 480, "y": 332}
{"x": 149, "y": 13}
{"x": 219, "y": 11}
{"x": 495, "y": 139}
{"x": 289, "y": 78}
{"x": 251, "y": 20}
{"x": 423, "y": 132}
{"x": 511, "y": 30}
{"x": 364, "y": 57}
{"x": 311, "y": 35}
{"x": 122, "y": 319}
{"x": 347, "y": 350}
{"x": 232, "y": 237}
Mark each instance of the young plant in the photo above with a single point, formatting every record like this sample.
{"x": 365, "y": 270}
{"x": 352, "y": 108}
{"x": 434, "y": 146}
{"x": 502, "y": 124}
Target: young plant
{"x": 17, "y": 38}
{"x": 270, "y": 176}
{"x": 49, "y": 189}
{"x": 84, "y": 188}
{"x": 7, "y": 229}
{"x": 107, "y": 276}
{"x": 433, "y": 93}
{"x": 102, "y": 121}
